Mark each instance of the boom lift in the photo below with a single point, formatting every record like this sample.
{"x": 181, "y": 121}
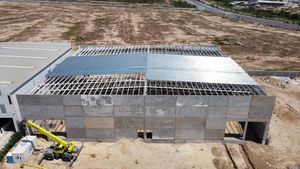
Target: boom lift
{"x": 67, "y": 151}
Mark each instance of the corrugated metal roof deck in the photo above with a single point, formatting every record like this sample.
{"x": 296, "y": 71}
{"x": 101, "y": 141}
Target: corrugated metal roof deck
{"x": 158, "y": 67}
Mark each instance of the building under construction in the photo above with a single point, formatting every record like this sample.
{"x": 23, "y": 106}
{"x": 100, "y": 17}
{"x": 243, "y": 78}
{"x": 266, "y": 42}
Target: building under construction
{"x": 157, "y": 93}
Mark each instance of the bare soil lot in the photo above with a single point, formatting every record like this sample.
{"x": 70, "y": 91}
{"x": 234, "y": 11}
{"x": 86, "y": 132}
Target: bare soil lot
{"x": 253, "y": 46}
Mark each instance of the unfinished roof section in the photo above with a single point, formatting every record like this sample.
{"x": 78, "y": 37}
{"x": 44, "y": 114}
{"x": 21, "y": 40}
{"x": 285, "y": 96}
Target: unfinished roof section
{"x": 19, "y": 61}
{"x": 138, "y": 70}
{"x": 196, "y": 50}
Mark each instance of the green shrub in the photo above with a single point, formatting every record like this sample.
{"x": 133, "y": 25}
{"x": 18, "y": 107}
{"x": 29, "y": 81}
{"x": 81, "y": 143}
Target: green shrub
{"x": 182, "y": 4}
{"x": 12, "y": 141}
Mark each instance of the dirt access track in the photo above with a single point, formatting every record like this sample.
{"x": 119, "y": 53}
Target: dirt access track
{"x": 253, "y": 46}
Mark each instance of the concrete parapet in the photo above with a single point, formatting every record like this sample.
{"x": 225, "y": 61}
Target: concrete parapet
{"x": 99, "y": 122}
{"x": 160, "y": 100}
{"x": 190, "y": 123}
{"x": 129, "y": 100}
{"x": 191, "y": 111}
{"x": 192, "y": 100}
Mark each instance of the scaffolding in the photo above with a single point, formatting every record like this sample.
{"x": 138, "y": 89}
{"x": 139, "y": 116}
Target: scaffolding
{"x": 136, "y": 84}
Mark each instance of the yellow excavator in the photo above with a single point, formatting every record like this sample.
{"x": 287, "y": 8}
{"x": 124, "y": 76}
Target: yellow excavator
{"x": 67, "y": 151}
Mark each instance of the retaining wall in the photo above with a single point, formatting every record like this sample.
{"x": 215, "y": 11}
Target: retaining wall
{"x": 170, "y": 118}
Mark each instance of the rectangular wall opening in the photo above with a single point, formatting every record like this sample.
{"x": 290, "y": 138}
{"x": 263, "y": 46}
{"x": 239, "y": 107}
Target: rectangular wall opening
{"x": 145, "y": 134}
{"x": 256, "y": 131}
{"x": 234, "y": 130}
{"x": 6, "y": 124}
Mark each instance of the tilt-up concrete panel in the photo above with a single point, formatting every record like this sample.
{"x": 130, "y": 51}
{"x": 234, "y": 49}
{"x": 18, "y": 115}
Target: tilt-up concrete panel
{"x": 197, "y": 101}
{"x": 159, "y": 122}
{"x": 216, "y": 112}
{"x": 102, "y": 134}
{"x": 218, "y": 101}
{"x": 73, "y": 111}
{"x": 95, "y": 100}
{"x": 215, "y": 123}
{"x": 129, "y": 122}
{"x": 213, "y": 134}
{"x": 75, "y": 122}
{"x": 72, "y": 100}
{"x": 98, "y": 111}
{"x": 237, "y": 112}
{"x": 129, "y": 101}
{"x": 189, "y": 134}
{"x": 129, "y": 111}
{"x": 190, "y": 123}
{"x": 160, "y": 100}
{"x": 195, "y": 111}
{"x": 76, "y": 133}
{"x": 126, "y": 133}
{"x": 99, "y": 122}
{"x": 160, "y": 111}
{"x": 239, "y": 101}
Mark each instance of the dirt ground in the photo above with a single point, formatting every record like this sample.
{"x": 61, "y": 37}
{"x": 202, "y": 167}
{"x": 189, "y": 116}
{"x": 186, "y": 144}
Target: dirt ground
{"x": 253, "y": 46}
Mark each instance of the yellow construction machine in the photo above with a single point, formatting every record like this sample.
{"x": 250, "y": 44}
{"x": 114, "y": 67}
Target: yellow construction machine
{"x": 67, "y": 151}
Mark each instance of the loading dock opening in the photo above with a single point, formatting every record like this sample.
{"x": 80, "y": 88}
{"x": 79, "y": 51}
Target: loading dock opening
{"x": 6, "y": 124}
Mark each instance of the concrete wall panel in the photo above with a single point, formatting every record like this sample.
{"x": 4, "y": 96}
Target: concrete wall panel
{"x": 42, "y": 112}
{"x": 216, "y": 112}
{"x": 160, "y": 100}
{"x": 95, "y": 100}
{"x": 73, "y": 110}
{"x": 218, "y": 101}
{"x": 160, "y": 111}
{"x": 163, "y": 133}
{"x": 189, "y": 134}
{"x": 191, "y": 111}
{"x": 55, "y": 100}
{"x": 75, "y": 122}
{"x": 28, "y": 100}
{"x": 126, "y": 133}
{"x": 100, "y": 133}
{"x": 129, "y": 122}
{"x": 264, "y": 101}
{"x": 237, "y": 112}
{"x": 190, "y": 123}
{"x": 260, "y": 112}
{"x": 214, "y": 134}
{"x": 215, "y": 123}
{"x": 72, "y": 100}
{"x": 129, "y": 100}
{"x": 129, "y": 111}
{"x": 240, "y": 101}
{"x": 192, "y": 100}
{"x": 76, "y": 133}
{"x": 99, "y": 122}
{"x": 159, "y": 122}
{"x": 100, "y": 111}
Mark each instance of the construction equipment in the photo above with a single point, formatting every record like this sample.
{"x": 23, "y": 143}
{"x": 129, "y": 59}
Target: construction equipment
{"x": 67, "y": 151}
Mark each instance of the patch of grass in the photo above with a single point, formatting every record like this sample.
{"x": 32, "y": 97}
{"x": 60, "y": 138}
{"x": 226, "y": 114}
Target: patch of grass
{"x": 182, "y": 4}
